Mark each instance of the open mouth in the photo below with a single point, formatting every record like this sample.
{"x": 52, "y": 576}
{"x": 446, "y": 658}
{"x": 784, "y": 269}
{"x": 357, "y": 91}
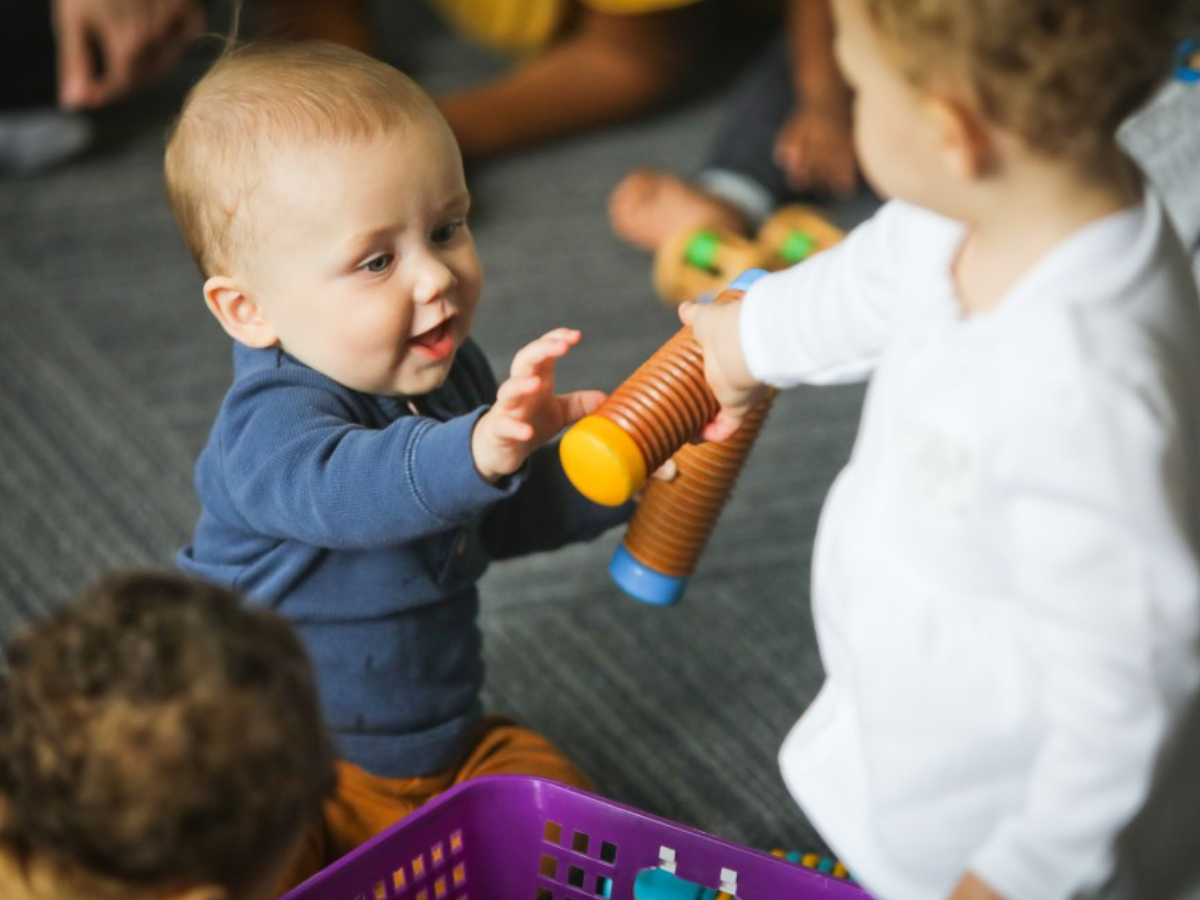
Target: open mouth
{"x": 436, "y": 343}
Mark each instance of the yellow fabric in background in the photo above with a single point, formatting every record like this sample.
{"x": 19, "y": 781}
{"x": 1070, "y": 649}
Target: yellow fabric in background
{"x": 522, "y": 26}
{"x": 632, "y": 7}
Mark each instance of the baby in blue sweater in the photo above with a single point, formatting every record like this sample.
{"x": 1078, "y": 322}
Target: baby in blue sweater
{"x": 364, "y": 466}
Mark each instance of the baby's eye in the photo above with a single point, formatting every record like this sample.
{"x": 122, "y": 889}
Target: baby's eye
{"x": 443, "y": 234}
{"x": 377, "y": 264}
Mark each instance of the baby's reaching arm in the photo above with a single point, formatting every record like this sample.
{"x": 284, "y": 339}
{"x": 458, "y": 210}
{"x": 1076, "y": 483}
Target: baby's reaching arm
{"x": 527, "y": 413}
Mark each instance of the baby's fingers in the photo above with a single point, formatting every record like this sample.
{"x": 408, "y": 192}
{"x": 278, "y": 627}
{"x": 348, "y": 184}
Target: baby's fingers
{"x": 505, "y": 428}
{"x": 668, "y": 471}
{"x": 578, "y": 404}
{"x": 550, "y": 346}
{"x": 512, "y": 391}
{"x": 722, "y": 427}
{"x": 570, "y": 335}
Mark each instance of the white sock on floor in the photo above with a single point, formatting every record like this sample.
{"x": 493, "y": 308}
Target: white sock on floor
{"x": 36, "y": 138}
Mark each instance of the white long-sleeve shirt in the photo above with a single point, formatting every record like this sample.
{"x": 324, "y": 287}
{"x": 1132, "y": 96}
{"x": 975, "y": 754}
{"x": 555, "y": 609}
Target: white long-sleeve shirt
{"x": 1005, "y": 586}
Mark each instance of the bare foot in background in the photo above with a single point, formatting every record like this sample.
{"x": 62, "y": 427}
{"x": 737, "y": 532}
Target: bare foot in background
{"x": 649, "y": 205}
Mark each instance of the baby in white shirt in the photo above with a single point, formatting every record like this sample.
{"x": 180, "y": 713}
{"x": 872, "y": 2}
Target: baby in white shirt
{"x": 1006, "y": 580}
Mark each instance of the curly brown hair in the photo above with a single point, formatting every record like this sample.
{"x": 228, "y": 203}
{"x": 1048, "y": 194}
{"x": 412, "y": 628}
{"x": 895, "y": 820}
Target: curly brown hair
{"x": 1059, "y": 74}
{"x": 159, "y": 733}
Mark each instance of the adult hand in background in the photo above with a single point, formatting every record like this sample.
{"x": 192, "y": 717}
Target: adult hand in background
{"x": 815, "y": 149}
{"x": 108, "y": 48}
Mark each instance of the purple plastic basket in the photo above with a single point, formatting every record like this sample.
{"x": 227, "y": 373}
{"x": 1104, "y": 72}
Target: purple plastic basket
{"x": 514, "y": 837}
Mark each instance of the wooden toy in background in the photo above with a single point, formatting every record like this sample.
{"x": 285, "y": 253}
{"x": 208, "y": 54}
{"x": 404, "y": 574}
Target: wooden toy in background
{"x": 649, "y": 419}
{"x": 696, "y": 262}
{"x": 794, "y": 234}
{"x": 699, "y": 261}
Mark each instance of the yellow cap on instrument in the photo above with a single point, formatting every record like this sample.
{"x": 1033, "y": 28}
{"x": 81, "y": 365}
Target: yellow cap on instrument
{"x": 602, "y": 461}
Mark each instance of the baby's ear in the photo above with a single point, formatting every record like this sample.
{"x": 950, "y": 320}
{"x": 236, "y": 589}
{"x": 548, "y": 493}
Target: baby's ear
{"x": 240, "y": 315}
{"x": 963, "y": 138}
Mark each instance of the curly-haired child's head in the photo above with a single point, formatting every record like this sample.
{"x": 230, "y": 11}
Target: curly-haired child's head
{"x": 1060, "y": 75}
{"x": 257, "y": 102}
{"x": 157, "y": 734}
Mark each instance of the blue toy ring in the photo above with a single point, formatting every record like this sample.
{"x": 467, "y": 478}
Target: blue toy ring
{"x": 1187, "y": 61}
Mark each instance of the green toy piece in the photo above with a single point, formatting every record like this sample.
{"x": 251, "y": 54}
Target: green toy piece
{"x": 702, "y": 250}
{"x": 797, "y": 247}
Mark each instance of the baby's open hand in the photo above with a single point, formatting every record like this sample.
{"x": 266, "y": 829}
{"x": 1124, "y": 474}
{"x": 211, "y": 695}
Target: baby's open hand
{"x": 527, "y": 413}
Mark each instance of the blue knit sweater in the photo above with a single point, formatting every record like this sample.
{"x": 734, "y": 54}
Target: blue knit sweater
{"x": 368, "y": 526}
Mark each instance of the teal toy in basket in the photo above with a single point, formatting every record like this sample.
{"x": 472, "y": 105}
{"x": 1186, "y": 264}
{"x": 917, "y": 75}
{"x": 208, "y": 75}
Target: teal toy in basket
{"x": 659, "y": 884}
{"x": 515, "y": 837}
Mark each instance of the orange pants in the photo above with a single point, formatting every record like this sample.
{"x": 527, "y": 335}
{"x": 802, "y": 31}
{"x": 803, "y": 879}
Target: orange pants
{"x": 366, "y": 804}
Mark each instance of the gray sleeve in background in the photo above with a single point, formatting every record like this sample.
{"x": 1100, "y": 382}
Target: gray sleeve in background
{"x": 1164, "y": 137}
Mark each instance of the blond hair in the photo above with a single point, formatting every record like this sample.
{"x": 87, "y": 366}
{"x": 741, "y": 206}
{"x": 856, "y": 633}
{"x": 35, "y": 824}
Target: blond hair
{"x": 260, "y": 100}
{"x": 1061, "y": 75}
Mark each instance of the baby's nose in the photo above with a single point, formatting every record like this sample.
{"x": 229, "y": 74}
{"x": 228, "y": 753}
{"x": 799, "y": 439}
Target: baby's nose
{"x": 433, "y": 281}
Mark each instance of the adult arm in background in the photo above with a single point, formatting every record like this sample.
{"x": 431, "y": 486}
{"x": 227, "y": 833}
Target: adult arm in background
{"x": 606, "y": 68}
{"x": 815, "y": 147}
{"x": 109, "y": 48}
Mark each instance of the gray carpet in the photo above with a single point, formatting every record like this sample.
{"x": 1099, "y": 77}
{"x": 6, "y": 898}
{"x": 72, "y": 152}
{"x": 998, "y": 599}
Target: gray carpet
{"x": 112, "y": 370}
